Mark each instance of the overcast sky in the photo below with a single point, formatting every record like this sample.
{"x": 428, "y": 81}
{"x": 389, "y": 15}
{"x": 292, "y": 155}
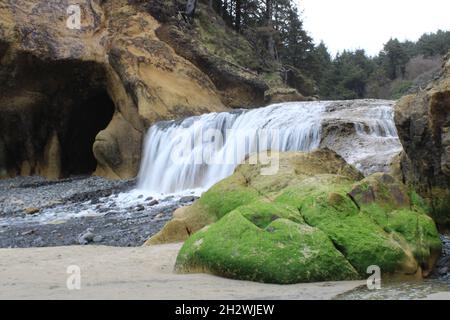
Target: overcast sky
{"x": 368, "y": 24}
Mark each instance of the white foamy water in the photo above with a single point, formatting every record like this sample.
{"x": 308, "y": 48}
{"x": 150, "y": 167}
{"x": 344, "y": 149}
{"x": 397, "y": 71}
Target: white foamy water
{"x": 295, "y": 125}
{"x": 375, "y": 141}
{"x": 187, "y": 155}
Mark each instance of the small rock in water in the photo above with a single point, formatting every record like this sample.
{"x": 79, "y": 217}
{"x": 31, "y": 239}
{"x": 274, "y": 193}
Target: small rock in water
{"x": 443, "y": 270}
{"x": 32, "y": 210}
{"x": 27, "y": 233}
{"x": 188, "y": 199}
{"x": 140, "y": 207}
{"x": 140, "y": 196}
{"x": 38, "y": 242}
{"x": 99, "y": 209}
{"x": 97, "y": 239}
{"x": 148, "y": 199}
{"x": 86, "y": 237}
{"x": 153, "y": 203}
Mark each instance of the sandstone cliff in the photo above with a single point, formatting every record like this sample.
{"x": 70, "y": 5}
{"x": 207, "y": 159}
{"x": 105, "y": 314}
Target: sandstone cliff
{"x": 423, "y": 123}
{"x": 77, "y": 100}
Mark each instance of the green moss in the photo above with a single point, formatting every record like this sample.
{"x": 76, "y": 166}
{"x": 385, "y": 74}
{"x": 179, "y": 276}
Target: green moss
{"x": 418, "y": 229}
{"x": 312, "y": 221}
{"x": 283, "y": 252}
{"x": 358, "y": 237}
{"x": 399, "y": 88}
{"x": 218, "y": 39}
{"x": 262, "y": 213}
{"x": 440, "y": 206}
{"x": 418, "y": 203}
{"x": 364, "y": 243}
{"x": 227, "y": 195}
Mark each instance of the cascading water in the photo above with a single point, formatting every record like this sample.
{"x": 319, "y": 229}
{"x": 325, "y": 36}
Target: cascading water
{"x": 197, "y": 152}
{"x": 296, "y": 124}
{"x": 374, "y": 141}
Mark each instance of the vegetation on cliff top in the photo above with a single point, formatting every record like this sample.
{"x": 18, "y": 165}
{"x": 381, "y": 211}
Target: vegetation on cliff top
{"x": 269, "y": 38}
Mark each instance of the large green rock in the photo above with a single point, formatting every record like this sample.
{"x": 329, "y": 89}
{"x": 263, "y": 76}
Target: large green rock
{"x": 317, "y": 219}
{"x": 264, "y": 242}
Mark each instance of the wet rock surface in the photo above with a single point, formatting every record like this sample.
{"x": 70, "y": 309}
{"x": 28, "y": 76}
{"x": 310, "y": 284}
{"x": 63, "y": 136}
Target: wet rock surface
{"x": 423, "y": 124}
{"x": 442, "y": 269}
{"x": 80, "y": 210}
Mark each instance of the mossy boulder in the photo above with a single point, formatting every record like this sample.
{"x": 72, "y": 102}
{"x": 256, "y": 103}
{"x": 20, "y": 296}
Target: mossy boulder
{"x": 264, "y": 242}
{"x": 316, "y": 219}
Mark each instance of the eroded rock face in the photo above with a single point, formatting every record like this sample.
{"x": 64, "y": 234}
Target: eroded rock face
{"x": 114, "y": 64}
{"x": 423, "y": 123}
{"x": 50, "y": 113}
{"x": 316, "y": 219}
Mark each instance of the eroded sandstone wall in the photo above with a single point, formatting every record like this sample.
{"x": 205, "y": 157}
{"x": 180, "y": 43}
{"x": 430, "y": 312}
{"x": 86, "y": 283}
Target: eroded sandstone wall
{"x": 48, "y": 71}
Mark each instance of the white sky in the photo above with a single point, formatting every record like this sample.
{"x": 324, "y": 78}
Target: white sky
{"x": 368, "y": 24}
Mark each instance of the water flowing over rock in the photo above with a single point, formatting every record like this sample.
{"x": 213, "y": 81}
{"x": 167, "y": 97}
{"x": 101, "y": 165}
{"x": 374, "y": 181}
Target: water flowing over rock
{"x": 180, "y": 155}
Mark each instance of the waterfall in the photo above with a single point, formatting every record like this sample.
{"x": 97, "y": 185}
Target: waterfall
{"x": 377, "y": 122}
{"x": 197, "y": 152}
{"x": 297, "y": 126}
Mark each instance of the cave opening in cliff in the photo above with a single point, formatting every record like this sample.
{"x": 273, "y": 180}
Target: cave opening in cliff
{"x": 87, "y": 118}
{"x": 50, "y": 113}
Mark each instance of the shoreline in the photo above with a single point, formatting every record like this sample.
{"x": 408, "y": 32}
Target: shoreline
{"x": 35, "y": 212}
{"x": 134, "y": 273}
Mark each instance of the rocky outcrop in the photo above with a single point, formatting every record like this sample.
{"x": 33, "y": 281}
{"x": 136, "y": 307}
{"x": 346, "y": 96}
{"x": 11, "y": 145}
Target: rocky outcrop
{"x": 235, "y": 68}
{"x": 316, "y": 219}
{"x": 423, "y": 123}
{"x": 128, "y": 64}
{"x": 80, "y": 100}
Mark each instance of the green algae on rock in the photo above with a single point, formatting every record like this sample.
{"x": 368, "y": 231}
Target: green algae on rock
{"x": 321, "y": 222}
{"x": 275, "y": 250}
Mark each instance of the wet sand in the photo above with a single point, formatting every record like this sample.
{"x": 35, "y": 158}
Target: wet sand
{"x": 133, "y": 273}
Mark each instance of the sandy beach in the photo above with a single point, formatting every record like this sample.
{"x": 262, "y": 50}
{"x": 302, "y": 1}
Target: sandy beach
{"x": 133, "y": 273}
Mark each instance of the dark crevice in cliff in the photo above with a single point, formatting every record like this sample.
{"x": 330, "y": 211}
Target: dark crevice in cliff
{"x": 84, "y": 123}
{"x": 50, "y": 114}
